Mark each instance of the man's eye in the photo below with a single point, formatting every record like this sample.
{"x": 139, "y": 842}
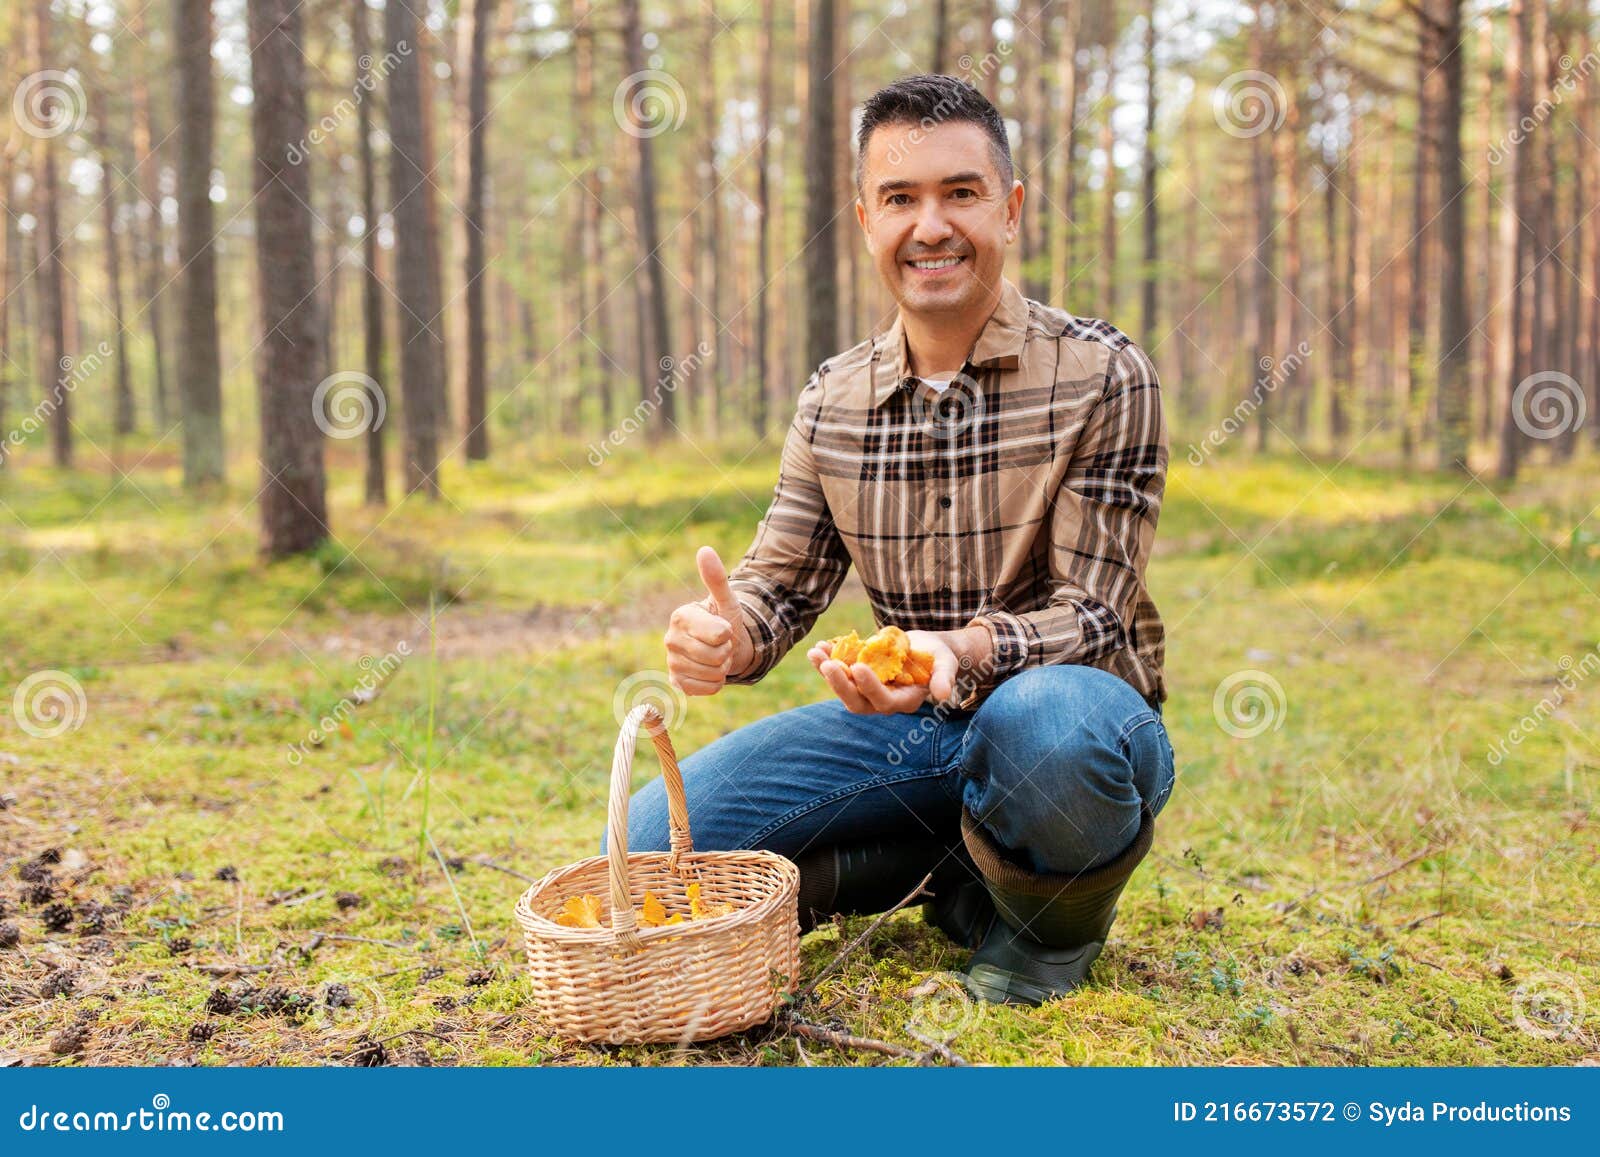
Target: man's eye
{"x": 964, "y": 194}
{"x": 898, "y": 199}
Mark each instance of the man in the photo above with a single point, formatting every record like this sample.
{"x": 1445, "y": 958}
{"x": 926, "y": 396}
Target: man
{"x": 993, "y": 468}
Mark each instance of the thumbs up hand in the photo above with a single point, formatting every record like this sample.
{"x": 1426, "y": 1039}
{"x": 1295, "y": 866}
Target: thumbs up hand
{"x": 706, "y": 640}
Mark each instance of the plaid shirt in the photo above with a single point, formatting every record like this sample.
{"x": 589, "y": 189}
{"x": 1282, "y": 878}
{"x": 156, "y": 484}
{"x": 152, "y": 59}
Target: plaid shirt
{"x": 1024, "y": 498}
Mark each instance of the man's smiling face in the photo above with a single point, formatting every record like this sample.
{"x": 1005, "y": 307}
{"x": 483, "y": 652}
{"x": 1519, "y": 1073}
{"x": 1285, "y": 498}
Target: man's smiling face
{"x": 936, "y": 217}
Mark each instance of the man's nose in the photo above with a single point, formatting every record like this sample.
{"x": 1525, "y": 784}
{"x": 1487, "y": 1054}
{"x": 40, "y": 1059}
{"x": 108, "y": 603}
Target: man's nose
{"x": 932, "y": 228}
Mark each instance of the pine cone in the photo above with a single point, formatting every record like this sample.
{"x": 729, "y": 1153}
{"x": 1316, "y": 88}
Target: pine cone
{"x": 41, "y": 893}
{"x": 222, "y": 1001}
{"x": 228, "y": 873}
{"x": 70, "y": 1039}
{"x": 56, "y": 917}
{"x": 201, "y": 1031}
{"x": 338, "y": 996}
{"x": 60, "y": 982}
{"x": 5, "y": 907}
{"x": 479, "y": 977}
{"x": 180, "y": 945}
{"x": 348, "y": 900}
{"x": 91, "y": 918}
{"x": 35, "y": 872}
{"x": 10, "y": 935}
{"x": 369, "y": 1054}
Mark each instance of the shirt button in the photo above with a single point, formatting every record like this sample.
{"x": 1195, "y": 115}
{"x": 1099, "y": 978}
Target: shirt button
{"x": 945, "y": 589}
{"x": 944, "y": 503}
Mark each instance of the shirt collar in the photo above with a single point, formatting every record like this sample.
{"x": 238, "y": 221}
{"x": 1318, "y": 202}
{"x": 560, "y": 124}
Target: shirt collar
{"x": 999, "y": 345}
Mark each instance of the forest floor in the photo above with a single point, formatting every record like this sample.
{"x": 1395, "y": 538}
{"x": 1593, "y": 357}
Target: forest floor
{"x": 1400, "y": 868}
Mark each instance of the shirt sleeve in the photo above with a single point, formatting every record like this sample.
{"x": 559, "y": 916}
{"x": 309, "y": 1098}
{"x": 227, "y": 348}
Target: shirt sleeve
{"x": 798, "y": 561}
{"x": 1102, "y": 528}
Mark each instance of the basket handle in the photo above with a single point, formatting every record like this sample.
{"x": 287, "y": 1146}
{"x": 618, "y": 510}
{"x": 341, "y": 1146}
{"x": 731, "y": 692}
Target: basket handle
{"x": 647, "y": 716}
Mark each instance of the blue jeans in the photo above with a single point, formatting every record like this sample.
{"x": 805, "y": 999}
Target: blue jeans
{"x": 1056, "y": 763}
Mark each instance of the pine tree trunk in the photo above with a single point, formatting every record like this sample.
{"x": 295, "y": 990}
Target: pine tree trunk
{"x": 1067, "y": 197}
{"x": 1455, "y": 417}
{"x": 199, "y": 346}
{"x": 415, "y": 285}
{"x": 1515, "y": 239}
{"x": 376, "y": 485}
{"x": 56, "y": 367}
{"x": 821, "y": 253}
{"x": 477, "y": 18}
{"x": 289, "y": 361}
{"x": 1148, "y": 300}
{"x": 151, "y": 249}
{"x": 654, "y": 389}
{"x": 122, "y": 401}
{"x": 764, "y": 369}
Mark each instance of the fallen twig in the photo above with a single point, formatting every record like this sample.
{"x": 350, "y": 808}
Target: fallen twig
{"x": 365, "y": 940}
{"x": 234, "y": 969}
{"x": 1409, "y": 925}
{"x": 847, "y": 1040}
{"x": 305, "y": 899}
{"x": 488, "y": 863}
{"x": 810, "y": 987}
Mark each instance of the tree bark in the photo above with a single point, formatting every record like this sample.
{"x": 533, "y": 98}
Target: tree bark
{"x": 821, "y": 253}
{"x": 1515, "y": 240}
{"x": 477, "y": 18}
{"x": 122, "y": 403}
{"x": 416, "y": 285}
{"x": 56, "y": 366}
{"x": 151, "y": 251}
{"x": 1264, "y": 290}
{"x": 1454, "y": 388}
{"x": 762, "y": 387}
{"x": 199, "y": 346}
{"x": 294, "y": 514}
{"x": 652, "y": 389}
{"x": 376, "y": 488}
{"x": 1148, "y": 275}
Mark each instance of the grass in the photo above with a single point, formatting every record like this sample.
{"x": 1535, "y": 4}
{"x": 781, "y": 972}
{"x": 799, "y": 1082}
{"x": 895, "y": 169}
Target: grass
{"x": 1363, "y": 883}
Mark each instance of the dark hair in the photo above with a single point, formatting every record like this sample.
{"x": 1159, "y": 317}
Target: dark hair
{"x": 929, "y": 100}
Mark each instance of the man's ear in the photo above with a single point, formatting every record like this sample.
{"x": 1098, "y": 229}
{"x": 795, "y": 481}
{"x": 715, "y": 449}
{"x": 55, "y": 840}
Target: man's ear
{"x": 861, "y": 219}
{"x": 1014, "y": 211}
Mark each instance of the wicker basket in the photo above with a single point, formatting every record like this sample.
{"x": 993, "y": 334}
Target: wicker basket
{"x": 682, "y": 982}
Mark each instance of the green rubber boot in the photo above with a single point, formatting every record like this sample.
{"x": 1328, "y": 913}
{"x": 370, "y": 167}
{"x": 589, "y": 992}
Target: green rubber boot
{"x": 856, "y": 879}
{"x": 1050, "y": 927}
